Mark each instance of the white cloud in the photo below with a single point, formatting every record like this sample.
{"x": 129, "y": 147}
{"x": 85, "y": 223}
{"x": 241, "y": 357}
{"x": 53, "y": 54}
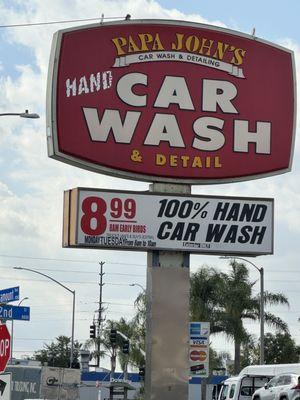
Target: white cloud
{"x": 15, "y": 220}
{"x": 29, "y": 85}
{"x": 46, "y": 179}
{"x": 4, "y": 192}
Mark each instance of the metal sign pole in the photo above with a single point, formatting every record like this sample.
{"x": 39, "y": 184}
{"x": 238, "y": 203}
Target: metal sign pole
{"x": 168, "y": 284}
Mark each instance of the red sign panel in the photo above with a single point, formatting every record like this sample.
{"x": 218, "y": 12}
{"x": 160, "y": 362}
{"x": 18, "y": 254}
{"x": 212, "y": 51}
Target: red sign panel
{"x": 198, "y": 355}
{"x": 4, "y": 347}
{"x": 170, "y": 101}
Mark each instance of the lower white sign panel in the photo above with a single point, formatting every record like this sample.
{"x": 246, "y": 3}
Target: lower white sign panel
{"x": 5, "y": 386}
{"x": 98, "y": 218}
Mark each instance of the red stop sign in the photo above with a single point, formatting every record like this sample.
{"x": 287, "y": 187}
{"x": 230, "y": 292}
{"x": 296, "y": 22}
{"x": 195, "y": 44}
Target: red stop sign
{"x": 4, "y": 347}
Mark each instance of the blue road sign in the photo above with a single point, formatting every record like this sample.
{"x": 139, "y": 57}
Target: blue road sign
{"x": 10, "y": 294}
{"x": 14, "y": 312}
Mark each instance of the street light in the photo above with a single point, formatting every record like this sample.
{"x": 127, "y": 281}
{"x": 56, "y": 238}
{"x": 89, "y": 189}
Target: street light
{"x": 262, "y": 312}
{"x": 142, "y": 296}
{"x": 137, "y": 284}
{"x": 12, "y": 330}
{"x": 25, "y": 114}
{"x": 73, "y": 313}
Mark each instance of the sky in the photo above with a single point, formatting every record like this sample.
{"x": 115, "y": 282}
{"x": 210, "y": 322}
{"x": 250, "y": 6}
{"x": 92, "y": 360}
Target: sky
{"x": 32, "y": 185}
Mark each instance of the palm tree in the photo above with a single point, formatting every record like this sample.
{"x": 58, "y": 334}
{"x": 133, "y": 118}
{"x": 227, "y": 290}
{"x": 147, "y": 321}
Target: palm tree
{"x": 204, "y": 297}
{"x": 137, "y": 355}
{"x": 133, "y": 330}
{"x": 226, "y": 300}
{"x": 238, "y": 303}
{"x": 128, "y": 329}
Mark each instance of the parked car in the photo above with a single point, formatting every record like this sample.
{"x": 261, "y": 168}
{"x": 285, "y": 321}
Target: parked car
{"x": 281, "y": 387}
{"x": 255, "y": 377}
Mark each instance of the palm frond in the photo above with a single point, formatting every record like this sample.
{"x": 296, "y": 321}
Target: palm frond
{"x": 276, "y": 322}
{"x": 276, "y": 298}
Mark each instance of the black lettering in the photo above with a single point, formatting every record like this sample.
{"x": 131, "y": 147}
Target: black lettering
{"x": 245, "y": 237}
{"x": 215, "y": 232}
{"x": 178, "y": 231}
{"x": 247, "y": 212}
{"x": 231, "y": 234}
{"x": 259, "y": 213}
{"x": 191, "y": 231}
{"x": 258, "y": 234}
{"x": 162, "y": 232}
{"x": 222, "y": 210}
{"x": 233, "y": 214}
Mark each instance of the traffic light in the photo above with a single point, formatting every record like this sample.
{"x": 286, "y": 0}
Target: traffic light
{"x": 92, "y": 331}
{"x": 125, "y": 347}
{"x": 142, "y": 373}
{"x": 113, "y": 336}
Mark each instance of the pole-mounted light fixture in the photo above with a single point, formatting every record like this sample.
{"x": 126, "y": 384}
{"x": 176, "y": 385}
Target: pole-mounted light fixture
{"x": 73, "y": 312}
{"x": 137, "y": 284}
{"x": 25, "y": 114}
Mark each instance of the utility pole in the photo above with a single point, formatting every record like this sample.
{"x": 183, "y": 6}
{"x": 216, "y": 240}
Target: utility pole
{"x": 100, "y": 312}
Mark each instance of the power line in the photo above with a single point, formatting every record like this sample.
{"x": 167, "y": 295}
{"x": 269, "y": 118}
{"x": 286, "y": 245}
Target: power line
{"x": 59, "y": 22}
{"x": 106, "y": 262}
{"x": 63, "y": 281}
{"x": 78, "y": 272}
{"x": 21, "y": 338}
{"x": 70, "y": 260}
{"x": 39, "y": 339}
{"x": 34, "y": 307}
{"x": 131, "y": 275}
{"x": 42, "y": 320}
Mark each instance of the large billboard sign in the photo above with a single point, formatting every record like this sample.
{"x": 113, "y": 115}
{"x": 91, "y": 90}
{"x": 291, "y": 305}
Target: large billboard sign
{"x": 170, "y": 101}
{"x": 142, "y": 221}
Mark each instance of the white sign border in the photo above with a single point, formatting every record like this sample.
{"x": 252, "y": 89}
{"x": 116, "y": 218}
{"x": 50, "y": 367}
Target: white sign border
{"x": 7, "y": 387}
{"x": 188, "y": 250}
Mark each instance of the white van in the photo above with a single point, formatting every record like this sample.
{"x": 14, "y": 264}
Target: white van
{"x": 253, "y": 377}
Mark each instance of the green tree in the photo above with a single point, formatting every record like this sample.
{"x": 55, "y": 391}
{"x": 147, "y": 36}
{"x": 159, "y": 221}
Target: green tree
{"x": 226, "y": 300}
{"x": 239, "y": 304}
{"x": 106, "y": 347}
{"x": 250, "y": 352}
{"x": 57, "y": 354}
{"x": 215, "y": 359}
{"x": 204, "y": 298}
{"x": 137, "y": 357}
{"x": 127, "y": 328}
{"x": 280, "y": 348}
{"x": 132, "y": 330}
